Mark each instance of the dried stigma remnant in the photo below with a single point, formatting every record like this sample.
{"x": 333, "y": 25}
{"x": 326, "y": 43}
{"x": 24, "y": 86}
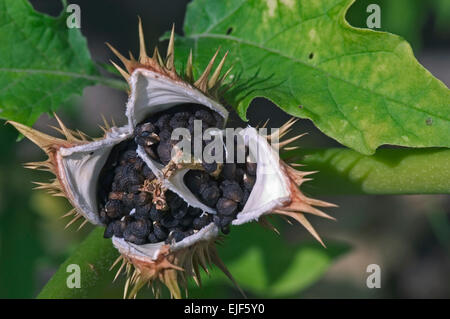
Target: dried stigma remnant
{"x": 165, "y": 215}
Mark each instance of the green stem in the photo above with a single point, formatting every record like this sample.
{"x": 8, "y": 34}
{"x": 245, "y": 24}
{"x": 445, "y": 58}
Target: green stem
{"x": 95, "y": 256}
{"x": 388, "y": 172}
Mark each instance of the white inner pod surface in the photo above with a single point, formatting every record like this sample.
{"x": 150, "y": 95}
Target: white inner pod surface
{"x": 271, "y": 188}
{"x": 146, "y": 251}
{"x": 175, "y": 183}
{"x": 152, "y": 93}
{"x": 82, "y": 165}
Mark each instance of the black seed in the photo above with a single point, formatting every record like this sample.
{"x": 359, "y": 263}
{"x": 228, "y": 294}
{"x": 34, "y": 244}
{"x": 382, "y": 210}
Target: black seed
{"x": 134, "y": 188}
{"x": 152, "y": 238}
{"x": 195, "y": 179}
{"x": 169, "y": 222}
{"x": 202, "y": 221}
{"x": 120, "y": 171}
{"x": 251, "y": 168}
{"x": 225, "y": 229}
{"x": 183, "y": 115}
{"x": 146, "y": 127}
{"x": 103, "y": 217}
{"x": 219, "y": 119}
{"x": 232, "y": 190}
{"x": 176, "y": 123}
{"x": 164, "y": 151}
{"x": 210, "y": 194}
{"x": 140, "y": 228}
{"x": 142, "y": 198}
{"x": 194, "y": 211}
{"x": 155, "y": 214}
{"x": 216, "y": 220}
{"x": 128, "y": 156}
{"x": 114, "y": 208}
{"x": 129, "y": 179}
{"x": 128, "y": 200}
{"x": 163, "y": 122}
{"x": 180, "y": 212}
{"x": 119, "y": 227}
{"x": 147, "y": 172}
{"x": 249, "y": 181}
{"x": 115, "y": 187}
{"x": 186, "y": 221}
{"x": 205, "y": 116}
{"x": 239, "y": 174}
{"x": 132, "y": 238}
{"x": 177, "y": 235}
{"x": 174, "y": 200}
{"x": 143, "y": 211}
{"x": 129, "y": 170}
{"x": 226, "y": 220}
{"x": 159, "y": 231}
{"x": 210, "y": 167}
{"x": 226, "y": 206}
{"x": 229, "y": 171}
{"x": 139, "y": 164}
{"x": 109, "y": 231}
{"x": 165, "y": 135}
{"x": 179, "y": 119}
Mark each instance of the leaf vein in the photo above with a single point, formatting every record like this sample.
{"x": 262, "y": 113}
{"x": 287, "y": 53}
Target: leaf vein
{"x": 195, "y": 37}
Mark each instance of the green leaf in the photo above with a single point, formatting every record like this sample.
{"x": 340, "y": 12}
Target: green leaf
{"x": 442, "y": 12}
{"x": 389, "y": 171}
{"x": 94, "y": 256}
{"x": 360, "y": 87}
{"x": 266, "y": 265}
{"x": 262, "y": 263}
{"x": 42, "y": 62}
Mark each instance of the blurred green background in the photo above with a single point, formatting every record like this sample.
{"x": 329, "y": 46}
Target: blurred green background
{"x": 408, "y": 236}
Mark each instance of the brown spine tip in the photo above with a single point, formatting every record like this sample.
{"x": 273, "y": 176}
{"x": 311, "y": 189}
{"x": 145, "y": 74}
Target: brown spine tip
{"x": 202, "y": 82}
{"x": 189, "y": 71}
{"x": 215, "y": 77}
{"x": 42, "y": 140}
{"x": 142, "y": 50}
{"x": 171, "y": 50}
{"x": 127, "y": 63}
{"x": 157, "y": 57}
{"x": 121, "y": 71}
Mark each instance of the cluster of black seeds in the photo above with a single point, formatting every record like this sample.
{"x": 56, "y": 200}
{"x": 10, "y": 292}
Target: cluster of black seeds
{"x": 227, "y": 193}
{"x": 127, "y": 209}
{"x": 162, "y": 126}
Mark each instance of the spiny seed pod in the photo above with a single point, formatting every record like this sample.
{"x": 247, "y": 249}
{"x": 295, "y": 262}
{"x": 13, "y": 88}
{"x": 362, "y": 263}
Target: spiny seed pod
{"x": 165, "y": 217}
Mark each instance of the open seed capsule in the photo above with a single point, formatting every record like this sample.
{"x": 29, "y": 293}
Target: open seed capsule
{"x": 165, "y": 217}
